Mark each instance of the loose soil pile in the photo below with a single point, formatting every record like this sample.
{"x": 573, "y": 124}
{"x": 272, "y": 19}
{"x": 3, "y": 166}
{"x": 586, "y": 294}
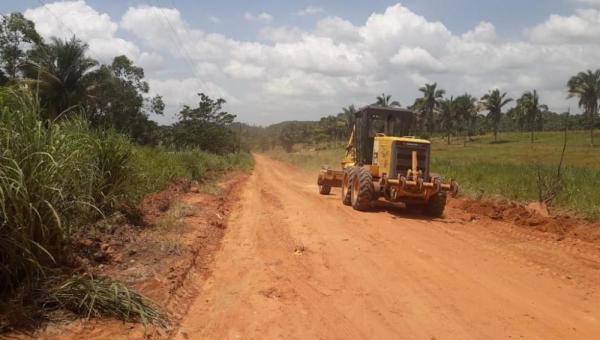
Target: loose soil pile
{"x": 531, "y": 216}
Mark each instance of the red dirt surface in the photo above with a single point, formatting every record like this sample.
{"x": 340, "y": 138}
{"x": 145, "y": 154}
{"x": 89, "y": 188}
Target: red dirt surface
{"x": 297, "y": 265}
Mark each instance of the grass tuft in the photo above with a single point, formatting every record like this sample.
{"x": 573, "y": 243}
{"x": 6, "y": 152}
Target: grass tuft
{"x": 88, "y": 296}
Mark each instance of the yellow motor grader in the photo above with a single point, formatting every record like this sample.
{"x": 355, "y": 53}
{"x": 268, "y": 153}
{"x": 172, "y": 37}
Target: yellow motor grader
{"x": 381, "y": 161}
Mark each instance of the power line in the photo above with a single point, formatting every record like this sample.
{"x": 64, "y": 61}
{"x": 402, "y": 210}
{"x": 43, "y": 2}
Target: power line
{"x": 183, "y": 49}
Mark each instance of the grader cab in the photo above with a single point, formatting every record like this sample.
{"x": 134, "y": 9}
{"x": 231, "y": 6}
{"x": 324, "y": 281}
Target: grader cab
{"x": 382, "y": 161}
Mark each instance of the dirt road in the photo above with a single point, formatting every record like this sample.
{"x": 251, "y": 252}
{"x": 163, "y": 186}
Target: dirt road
{"x": 297, "y": 265}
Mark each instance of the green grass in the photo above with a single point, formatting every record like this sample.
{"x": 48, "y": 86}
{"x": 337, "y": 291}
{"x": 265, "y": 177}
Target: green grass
{"x": 507, "y": 168}
{"x": 155, "y": 168}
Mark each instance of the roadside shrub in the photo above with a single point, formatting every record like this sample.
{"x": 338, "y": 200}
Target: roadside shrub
{"x": 53, "y": 179}
{"x": 111, "y": 154}
{"x": 39, "y": 186}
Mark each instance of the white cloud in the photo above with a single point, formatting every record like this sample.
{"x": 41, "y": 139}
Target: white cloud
{"x": 63, "y": 19}
{"x": 484, "y": 32}
{"x": 263, "y": 17}
{"x": 416, "y": 58}
{"x": 60, "y": 18}
{"x": 293, "y": 73}
{"x": 310, "y": 10}
{"x": 581, "y": 27}
{"x": 337, "y": 29}
{"x": 239, "y": 70}
{"x": 398, "y": 26}
{"x": 589, "y": 2}
{"x": 214, "y": 19}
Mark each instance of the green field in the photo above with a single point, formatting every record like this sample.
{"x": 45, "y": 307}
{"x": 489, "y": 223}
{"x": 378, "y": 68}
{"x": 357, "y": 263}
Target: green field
{"x": 504, "y": 169}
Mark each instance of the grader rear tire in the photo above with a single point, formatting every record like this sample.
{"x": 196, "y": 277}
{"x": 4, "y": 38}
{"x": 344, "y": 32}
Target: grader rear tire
{"x": 363, "y": 191}
{"x": 347, "y": 186}
{"x": 436, "y": 205}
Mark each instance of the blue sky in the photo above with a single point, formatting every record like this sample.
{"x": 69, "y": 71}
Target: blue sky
{"x": 276, "y": 60}
{"x": 509, "y": 16}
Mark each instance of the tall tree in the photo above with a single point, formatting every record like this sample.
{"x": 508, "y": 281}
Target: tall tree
{"x": 427, "y": 105}
{"x": 206, "y": 127}
{"x": 466, "y": 113}
{"x": 447, "y": 110}
{"x": 59, "y": 72}
{"x": 586, "y": 87}
{"x": 118, "y": 99}
{"x": 529, "y": 105}
{"x": 349, "y": 116}
{"x": 386, "y": 100}
{"x": 493, "y": 102}
{"x": 17, "y": 37}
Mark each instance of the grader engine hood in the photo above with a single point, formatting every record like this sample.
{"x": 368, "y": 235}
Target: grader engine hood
{"x": 402, "y": 158}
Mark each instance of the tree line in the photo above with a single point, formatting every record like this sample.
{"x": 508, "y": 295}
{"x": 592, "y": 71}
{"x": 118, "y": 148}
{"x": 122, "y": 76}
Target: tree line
{"x": 460, "y": 116}
{"x": 67, "y": 83}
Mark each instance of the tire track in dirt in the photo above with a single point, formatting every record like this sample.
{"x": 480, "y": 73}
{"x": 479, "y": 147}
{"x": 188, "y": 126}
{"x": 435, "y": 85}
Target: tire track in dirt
{"x": 295, "y": 264}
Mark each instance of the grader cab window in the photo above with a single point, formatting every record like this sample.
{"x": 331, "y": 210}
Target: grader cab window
{"x": 373, "y": 120}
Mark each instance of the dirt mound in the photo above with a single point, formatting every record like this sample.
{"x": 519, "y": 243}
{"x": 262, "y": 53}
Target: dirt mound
{"x": 532, "y": 216}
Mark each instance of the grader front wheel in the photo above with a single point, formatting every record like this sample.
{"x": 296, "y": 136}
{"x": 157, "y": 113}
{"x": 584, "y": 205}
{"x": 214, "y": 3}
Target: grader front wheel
{"x": 436, "y": 205}
{"x": 363, "y": 191}
{"x": 324, "y": 189}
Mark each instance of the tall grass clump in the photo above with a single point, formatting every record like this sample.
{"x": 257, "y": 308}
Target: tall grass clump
{"x": 53, "y": 178}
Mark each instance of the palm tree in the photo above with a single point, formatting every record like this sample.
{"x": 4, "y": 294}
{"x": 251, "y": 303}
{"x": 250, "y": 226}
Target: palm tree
{"x": 586, "y": 86}
{"x": 529, "y": 105}
{"x": 59, "y": 72}
{"x": 428, "y": 103}
{"x": 385, "y": 101}
{"x": 493, "y": 102}
{"x": 447, "y": 111}
{"x": 466, "y": 112}
{"x": 348, "y": 115}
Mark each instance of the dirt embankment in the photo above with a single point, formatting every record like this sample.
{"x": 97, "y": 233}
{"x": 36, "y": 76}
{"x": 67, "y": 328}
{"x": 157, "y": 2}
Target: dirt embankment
{"x": 185, "y": 227}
